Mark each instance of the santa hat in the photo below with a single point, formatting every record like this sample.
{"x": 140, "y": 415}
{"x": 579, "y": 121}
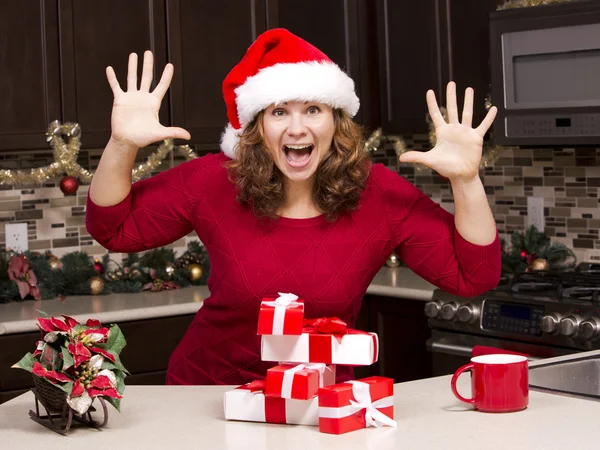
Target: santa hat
{"x": 278, "y": 67}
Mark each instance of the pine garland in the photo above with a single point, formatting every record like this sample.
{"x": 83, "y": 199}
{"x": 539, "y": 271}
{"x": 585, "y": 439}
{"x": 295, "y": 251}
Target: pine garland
{"x": 75, "y": 272}
{"x": 531, "y": 245}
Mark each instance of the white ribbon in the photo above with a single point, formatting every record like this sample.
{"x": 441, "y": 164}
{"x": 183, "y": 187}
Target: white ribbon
{"x": 281, "y": 303}
{"x": 288, "y": 376}
{"x": 373, "y": 417}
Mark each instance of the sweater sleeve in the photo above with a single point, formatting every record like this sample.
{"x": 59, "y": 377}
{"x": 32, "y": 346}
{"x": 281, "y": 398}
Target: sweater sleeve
{"x": 155, "y": 213}
{"x": 426, "y": 239}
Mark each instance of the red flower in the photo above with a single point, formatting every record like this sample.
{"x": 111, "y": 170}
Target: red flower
{"x": 51, "y": 375}
{"x": 20, "y": 273}
{"x": 80, "y": 353}
{"x": 157, "y": 284}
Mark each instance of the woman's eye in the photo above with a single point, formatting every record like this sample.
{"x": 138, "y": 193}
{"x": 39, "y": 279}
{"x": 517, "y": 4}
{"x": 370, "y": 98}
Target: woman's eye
{"x": 278, "y": 112}
{"x": 313, "y": 110}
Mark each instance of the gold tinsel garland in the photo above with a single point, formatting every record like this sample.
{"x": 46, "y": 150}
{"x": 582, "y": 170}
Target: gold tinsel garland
{"x": 377, "y": 138}
{"x": 65, "y": 158}
{"x": 512, "y": 4}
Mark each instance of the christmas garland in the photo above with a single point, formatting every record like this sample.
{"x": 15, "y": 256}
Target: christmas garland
{"x": 65, "y": 160}
{"x": 44, "y": 276}
{"x": 533, "y": 251}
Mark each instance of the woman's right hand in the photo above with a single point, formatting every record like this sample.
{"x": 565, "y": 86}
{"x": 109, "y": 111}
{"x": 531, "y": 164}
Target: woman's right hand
{"x": 134, "y": 118}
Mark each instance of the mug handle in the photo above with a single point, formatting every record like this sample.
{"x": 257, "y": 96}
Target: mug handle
{"x": 457, "y": 374}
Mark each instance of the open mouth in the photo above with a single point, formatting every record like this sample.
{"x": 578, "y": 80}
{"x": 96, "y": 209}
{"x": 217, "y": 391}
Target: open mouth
{"x": 298, "y": 155}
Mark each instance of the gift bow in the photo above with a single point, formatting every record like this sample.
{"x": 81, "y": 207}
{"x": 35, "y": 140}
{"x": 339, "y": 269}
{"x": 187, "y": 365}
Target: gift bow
{"x": 362, "y": 395}
{"x": 373, "y": 417}
{"x": 255, "y": 386}
{"x": 280, "y": 304}
{"x": 288, "y": 376}
{"x": 325, "y": 325}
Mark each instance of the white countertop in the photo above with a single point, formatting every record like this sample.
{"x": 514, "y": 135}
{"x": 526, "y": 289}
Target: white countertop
{"x": 19, "y": 317}
{"x": 428, "y": 416}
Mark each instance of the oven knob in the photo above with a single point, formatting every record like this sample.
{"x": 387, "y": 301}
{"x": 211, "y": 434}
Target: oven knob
{"x": 588, "y": 329}
{"x": 467, "y": 313}
{"x": 449, "y": 310}
{"x": 432, "y": 309}
{"x": 550, "y": 324}
{"x": 569, "y": 325}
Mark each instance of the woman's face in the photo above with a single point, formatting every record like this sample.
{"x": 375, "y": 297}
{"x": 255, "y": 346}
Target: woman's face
{"x": 298, "y": 135}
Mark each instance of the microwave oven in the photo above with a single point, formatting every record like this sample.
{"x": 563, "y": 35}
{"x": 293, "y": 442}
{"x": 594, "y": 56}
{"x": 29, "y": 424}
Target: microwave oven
{"x": 545, "y": 74}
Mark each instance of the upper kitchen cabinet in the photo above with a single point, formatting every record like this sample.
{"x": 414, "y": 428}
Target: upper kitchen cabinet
{"x": 206, "y": 38}
{"x": 94, "y": 35}
{"x": 469, "y": 50}
{"x": 425, "y": 44}
{"x": 345, "y": 31}
{"x": 410, "y": 61}
{"x": 30, "y": 94}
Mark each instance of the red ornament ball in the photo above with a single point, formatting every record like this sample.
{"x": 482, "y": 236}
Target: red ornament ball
{"x": 99, "y": 267}
{"x": 523, "y": 253}
{"x": 69, "y": 185}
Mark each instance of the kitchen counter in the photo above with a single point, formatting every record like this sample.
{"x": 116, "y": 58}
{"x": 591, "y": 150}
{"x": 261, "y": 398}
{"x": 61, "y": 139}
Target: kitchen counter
{"x": 428, "y": 416}
{"x": 19, "y": 317}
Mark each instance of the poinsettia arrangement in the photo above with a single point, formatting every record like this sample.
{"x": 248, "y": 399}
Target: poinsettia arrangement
{"x": 82, "y": 360}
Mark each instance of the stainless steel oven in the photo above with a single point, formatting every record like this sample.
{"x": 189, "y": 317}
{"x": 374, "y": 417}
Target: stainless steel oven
{"x": 540, "y": 314}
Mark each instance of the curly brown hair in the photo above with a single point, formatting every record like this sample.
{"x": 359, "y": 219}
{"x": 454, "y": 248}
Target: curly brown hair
{"x": 340, "y": 177}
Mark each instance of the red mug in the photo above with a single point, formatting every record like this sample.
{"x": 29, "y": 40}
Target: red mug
{"x": 499, "y": 383}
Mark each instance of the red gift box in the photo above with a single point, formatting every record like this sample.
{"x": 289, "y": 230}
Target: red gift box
{"x": 354, "y": 405}
{"x": 324, "y": 340}
{"x": 248, "y": 403}
{"x": 281, "y": 315}
{"x": 298, "y": 381}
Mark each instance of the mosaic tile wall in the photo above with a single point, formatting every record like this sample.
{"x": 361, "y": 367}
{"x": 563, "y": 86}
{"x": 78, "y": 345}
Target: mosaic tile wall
{"x": 568, "y": 179}
{"x": 54, "y": 221}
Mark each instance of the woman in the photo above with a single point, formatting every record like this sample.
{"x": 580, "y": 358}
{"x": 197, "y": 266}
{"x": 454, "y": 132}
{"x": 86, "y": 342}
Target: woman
{"x": 291, "y": 204}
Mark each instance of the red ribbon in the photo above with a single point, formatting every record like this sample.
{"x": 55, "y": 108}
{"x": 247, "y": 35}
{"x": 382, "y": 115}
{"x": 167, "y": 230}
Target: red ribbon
{"x": 274, "y": 407}
{"x": 319, "y": 342}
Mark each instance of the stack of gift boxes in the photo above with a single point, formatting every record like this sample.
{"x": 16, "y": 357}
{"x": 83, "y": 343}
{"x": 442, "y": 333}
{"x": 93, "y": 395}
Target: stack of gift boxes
{"x": 301, "y": 390}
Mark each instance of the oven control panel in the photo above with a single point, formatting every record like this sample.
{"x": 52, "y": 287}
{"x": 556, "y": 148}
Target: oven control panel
{"x": 512, "y": 318}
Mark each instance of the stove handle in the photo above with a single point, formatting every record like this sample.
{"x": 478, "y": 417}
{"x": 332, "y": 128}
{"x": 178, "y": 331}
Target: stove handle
{"x": 455, "y": 349}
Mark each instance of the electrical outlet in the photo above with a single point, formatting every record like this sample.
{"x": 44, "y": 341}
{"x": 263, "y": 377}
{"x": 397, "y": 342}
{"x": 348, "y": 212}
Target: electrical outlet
{"x": 592, "y": 256}
{"x": 535, "y": 212}
{"x": 16, "y": 237}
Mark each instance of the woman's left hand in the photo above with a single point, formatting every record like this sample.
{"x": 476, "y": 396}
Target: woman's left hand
{"x": 458, "y": 148}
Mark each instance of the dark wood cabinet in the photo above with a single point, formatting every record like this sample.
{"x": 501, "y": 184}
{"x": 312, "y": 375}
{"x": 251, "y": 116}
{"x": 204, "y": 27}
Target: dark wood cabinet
{"x": 30, "y": 87}
{"x": 469, "y": 50}
{"x": 206, "y": 40}
{"x": 94, "y": 35}
{"x": 424, "y": 45}
{"x": 403, "y": 330}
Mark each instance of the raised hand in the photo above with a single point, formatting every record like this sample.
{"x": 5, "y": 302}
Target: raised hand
{"x": 458, "y": 148}
{"x": 134, "y": 119}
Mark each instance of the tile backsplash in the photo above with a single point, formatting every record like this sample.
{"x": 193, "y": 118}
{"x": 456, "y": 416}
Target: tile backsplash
{"x": 567, "y": 179}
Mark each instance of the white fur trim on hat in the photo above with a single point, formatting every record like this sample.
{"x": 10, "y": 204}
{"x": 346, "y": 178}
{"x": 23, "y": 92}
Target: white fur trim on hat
{"x": 229, "y": 141}
{"x": 323, "y": 82}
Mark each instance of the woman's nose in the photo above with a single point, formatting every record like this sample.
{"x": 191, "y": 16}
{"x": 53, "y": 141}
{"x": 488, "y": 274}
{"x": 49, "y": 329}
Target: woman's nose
{"x": 296, "y": 127}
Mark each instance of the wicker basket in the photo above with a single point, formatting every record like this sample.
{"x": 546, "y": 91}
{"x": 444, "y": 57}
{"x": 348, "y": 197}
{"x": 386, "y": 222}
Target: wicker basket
{"x": 55, "y": 398}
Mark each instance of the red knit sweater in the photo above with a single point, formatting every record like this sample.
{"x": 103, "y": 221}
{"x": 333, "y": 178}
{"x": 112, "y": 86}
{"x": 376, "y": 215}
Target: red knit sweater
{"x": 330, "y": 265}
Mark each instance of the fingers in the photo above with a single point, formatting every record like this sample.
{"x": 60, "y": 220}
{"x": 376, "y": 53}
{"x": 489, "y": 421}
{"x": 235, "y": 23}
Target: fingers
{"x": 132, "y": 73}
{"x": 451, "y": 105}
{"x": 487, "y": 121}
{"x": 147, "y": 69}
{"x": 165, "y": 81}
{"x": 434, "y": 110}
{"x": 467, "y": 115}
{"x": 177, "y": 133}
{"x": 113, "y": 82}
